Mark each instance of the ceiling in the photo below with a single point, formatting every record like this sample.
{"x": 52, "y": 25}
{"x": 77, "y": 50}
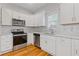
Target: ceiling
{"x": 31, "y": 7}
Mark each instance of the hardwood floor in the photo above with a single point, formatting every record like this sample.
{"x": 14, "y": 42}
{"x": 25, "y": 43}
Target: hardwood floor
{"x": 30, "y": 50}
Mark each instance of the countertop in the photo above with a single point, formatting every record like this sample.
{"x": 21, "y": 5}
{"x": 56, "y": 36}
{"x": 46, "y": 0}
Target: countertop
{"x": 59, "y": 35}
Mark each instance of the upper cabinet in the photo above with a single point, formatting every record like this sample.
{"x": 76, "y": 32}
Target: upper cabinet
{"x": 66, "y": 13}
{"x": 18, "y": 15}
{"x": 8, "y": 14}
{"x": 40, "y": 19}
{"x": 6, "y": 17}
{"x": 69, "y": 13}
{"x": 76, "y": 12}
{"x": 36, "y": 20}
{"x": 32, "y": 20}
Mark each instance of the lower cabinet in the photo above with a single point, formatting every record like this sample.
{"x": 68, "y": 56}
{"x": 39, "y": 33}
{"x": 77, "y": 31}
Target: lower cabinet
{"x": 63, "y": 47}
{"x": 6, "y": 43}
{"x": 48, "y": 44}
{"x": 59, "y": 46}
{"x": 75, "y": 47}
{"x": 30, "y": 38}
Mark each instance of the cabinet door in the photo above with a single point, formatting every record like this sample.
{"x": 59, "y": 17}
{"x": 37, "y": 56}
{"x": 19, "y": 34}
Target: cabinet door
{"x": 75, "y": 47}
{"x": 63, "y": 47}
{"x": 76, "y": 11}
{"x": 6, "y": 44}
{"x": 51, "y": 45}
{"x": 30, "y": 21}
{"x": 48, "y": 44}
{"x": 66, "y": 13}
{"x": 59, "y": 47}
{"x": 36, "y": 20}
{"x": 16, "y": 15}
{"x": 21, "y": 16}
{"x": 30, "y": 38}
{"x": 0, "y": 15}
{"x": 6, "y": 17}
{"x": 40, "y": 19}
{"x": 44, "y": 43}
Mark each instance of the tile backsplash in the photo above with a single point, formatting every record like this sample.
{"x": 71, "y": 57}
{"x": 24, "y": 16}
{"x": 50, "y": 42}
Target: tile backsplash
{"x": 72, "y": 29}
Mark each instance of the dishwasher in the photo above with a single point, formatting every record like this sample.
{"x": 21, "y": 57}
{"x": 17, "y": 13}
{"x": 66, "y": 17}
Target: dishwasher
{"x": 37, "y": 40}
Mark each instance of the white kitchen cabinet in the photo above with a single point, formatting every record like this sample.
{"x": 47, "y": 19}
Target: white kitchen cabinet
{"x": 63, "y": 47}
{"x": 40, "y": 19}
{"x": 52, "y": 45}
{"x": 22, "y": 16}
{"x": 16, "y": 15}
{"x": 36, "y": 20}
{"x": 6, "y": 43}
{"x": 0, "y": 15}
{"x": 76, "y": 12}
{"x": 44, "y": 42}
{"x": 69, "y": 13}
{"x": 66, "y": 13}
{"x": 30, "y": 38}
{"x": 30, "y": 21}
{"x": 6, "y": 16}
{"x": 47, "y": 43}
{"x": 75, "y": 47}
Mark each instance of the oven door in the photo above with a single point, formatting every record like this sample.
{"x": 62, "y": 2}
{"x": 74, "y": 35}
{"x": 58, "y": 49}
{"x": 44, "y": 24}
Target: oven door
{"x": 17, "y": 40}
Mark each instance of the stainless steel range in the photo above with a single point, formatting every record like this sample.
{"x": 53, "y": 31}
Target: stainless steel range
{"x": 19, "y": 39}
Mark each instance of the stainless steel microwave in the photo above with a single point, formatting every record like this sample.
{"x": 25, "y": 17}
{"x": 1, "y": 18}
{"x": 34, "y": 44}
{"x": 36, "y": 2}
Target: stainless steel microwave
{"x": 18, "y": 22}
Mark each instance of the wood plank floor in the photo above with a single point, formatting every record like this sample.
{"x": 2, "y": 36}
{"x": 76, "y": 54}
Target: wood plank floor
{"x": 30, "y": 50}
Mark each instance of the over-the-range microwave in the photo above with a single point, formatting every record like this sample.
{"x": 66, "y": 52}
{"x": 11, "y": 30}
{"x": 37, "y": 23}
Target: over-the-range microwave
{"x": 18, "y": 22}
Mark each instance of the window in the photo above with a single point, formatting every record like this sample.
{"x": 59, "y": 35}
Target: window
{"x": 52, "y": 21}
